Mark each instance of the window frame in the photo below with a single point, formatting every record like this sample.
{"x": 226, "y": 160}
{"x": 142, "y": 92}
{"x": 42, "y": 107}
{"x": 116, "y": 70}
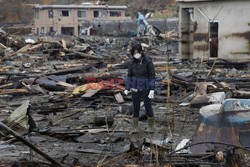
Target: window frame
{"x": 37, "y": 14}
{"x": 116, "y": 13}
{"x": 80, "y": 14}
{"x": 63, "y": 14}
{"x": 99, "y": 13}
{"x": 50, "y": 14}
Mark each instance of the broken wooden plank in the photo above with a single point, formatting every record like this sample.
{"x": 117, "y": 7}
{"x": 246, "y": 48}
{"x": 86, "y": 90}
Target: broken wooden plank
{"x": 86, "y": 55}
{"x": 65, "y": 84}
{"x": 2, "y": 46}
{"x": 63, "y": 43}
{"x": 241, "y": 94}
{"x": 92, "y": 151}
{"x": 90, "y": 93}
{"x": 13, "y": 91}
{"x": 7, "y": 86}
{"x": 30, "y": 48}
{"x": 24, "y": 49}
{"x": 75, "y": 69}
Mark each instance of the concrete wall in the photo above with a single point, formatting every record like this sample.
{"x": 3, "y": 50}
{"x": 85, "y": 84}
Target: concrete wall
{"x": 123, "y": 27}
{"x": 58, "y": 21}
{"x": 234, "y": 29}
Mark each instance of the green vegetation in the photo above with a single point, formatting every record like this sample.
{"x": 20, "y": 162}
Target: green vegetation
{"x": 161, "y": 8}
{"x": 170, "y": 11}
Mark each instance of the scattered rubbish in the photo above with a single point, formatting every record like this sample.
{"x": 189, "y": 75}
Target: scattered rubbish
{"x": 7, "y": 147}
{"x": 181, "y": 145}
{"x": 100, "y": 121}
{"x": 219, "y": 121}
{"x": 160, "y": 143}
{"x": 18, "y": 120}
{"x": 20, "y": 138}
{"x": 144, "y": 28}
{"x": 72, "y": 105}
{"x": 86, "y": 138}
{"x": 29, "y": 41}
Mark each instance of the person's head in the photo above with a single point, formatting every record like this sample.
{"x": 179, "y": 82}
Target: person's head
{"x": 136, "y": 50}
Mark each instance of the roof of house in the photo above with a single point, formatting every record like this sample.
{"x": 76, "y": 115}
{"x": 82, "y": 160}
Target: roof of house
{"x": 84, "y": 6}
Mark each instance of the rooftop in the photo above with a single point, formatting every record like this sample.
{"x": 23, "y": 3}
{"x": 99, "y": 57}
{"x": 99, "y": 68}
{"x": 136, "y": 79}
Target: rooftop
{"x": 81, "y": 6}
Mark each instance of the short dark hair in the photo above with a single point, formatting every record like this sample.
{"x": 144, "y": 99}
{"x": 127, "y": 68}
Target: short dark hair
{"x": 136, "y": 46}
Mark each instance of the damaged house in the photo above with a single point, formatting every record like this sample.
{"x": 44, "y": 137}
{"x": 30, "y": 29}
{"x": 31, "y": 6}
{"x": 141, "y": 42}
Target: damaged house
{"x": 68, "y": 19}
{"x": 214, "y": 29}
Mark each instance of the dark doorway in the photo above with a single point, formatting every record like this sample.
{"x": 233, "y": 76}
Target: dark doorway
{"x": 67, "y": 30}
{"x": 214, "y": 42}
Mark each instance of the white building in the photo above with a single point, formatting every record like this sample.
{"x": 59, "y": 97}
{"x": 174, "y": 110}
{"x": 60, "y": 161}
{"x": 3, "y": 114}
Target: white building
{"x": 214, "y": 29}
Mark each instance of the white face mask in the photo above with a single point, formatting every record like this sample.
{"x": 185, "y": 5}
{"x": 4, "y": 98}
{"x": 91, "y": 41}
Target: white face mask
{"x": 137, "y": 55}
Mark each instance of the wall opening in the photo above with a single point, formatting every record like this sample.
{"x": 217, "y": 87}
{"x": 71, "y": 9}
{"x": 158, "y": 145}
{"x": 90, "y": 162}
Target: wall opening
{"x": 51, "y": 29}
{"x": 67, "y": 30}
{"x": 42, "y": 30}
{"x": 50, "y": 14}
{"x": 65, "y": 13}
{"x": 96, "y": 14}
{"x": 214, "y": 42}
{"x": 115, "y": 13}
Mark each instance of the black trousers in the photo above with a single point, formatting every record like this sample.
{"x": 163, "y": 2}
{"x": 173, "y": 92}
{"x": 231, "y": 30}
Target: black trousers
{"x": 136, "y": 98}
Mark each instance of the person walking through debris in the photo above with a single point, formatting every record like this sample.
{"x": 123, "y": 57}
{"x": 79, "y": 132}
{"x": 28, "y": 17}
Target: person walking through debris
{"x": 140, "y": 80}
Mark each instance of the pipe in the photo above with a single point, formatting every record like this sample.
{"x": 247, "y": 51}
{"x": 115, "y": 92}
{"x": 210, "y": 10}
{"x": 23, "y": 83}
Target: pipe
{"x": 203, "y": 14}
{"x": 191, "y": 12}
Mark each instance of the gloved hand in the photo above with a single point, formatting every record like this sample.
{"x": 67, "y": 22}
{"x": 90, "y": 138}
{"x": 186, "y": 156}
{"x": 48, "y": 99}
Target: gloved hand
{"x": 126, "y": 92}
{"x": 151, "y": 94}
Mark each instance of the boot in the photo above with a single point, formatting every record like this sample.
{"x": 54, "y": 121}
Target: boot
{"x": 151, "y": 122}
{"x": 135, "y": 125}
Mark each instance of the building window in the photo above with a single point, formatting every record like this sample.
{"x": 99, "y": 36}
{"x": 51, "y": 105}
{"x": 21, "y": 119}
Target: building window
{"x": 51, "y": 29}
{"x": 115, "y": 14}
{"x": 96, "y": 13}
{"x": 36, "y": 14}
{"x": 81, "y": 14}
{"x": 65, "y": 13}
{"x": 50, "y": 13}
{"x": 42, "y": 30}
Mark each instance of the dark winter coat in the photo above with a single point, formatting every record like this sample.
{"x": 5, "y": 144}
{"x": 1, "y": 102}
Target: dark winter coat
{"x": 141, "y": 74}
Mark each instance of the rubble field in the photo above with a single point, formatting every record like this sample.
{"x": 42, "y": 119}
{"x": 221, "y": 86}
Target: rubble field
{"x": 62, "y": 104}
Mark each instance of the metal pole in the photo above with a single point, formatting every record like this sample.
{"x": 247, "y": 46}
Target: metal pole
{"x": 20, "y": 138}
